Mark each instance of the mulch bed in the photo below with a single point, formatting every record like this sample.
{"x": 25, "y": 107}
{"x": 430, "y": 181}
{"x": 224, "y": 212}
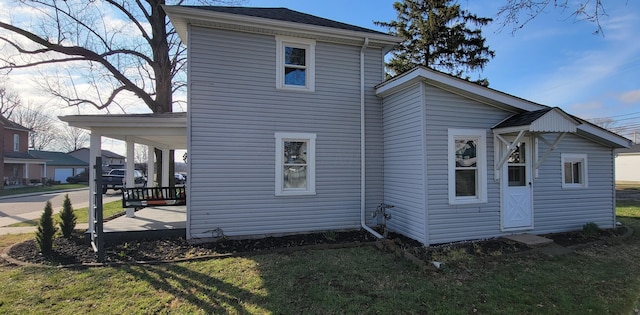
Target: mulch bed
{"x": 569, "y": 239}
{"x": 76, "y": 250}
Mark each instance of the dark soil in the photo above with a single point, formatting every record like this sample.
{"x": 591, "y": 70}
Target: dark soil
{"x": 77, "y": 251}
{"x": 568, "y": 239}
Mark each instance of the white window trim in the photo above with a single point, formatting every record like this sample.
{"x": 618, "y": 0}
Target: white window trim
{"x": 16, "y": 142}
{"x": 310, "y": 138}
{"x": 575, "y": 157}
{"x": 481, "y": 153}
{"x": 307, "y": 44}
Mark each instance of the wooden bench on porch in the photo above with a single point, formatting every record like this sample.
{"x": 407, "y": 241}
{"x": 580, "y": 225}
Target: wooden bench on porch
{"x": 140, "y": 197}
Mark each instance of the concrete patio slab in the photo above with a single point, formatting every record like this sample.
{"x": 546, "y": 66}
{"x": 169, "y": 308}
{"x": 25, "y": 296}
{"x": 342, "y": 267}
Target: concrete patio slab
{"x": 530, "y": 239}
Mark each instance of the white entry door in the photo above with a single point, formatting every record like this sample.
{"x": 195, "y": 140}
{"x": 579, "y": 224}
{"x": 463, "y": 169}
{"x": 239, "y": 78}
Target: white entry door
{"x": 517, "y": 189}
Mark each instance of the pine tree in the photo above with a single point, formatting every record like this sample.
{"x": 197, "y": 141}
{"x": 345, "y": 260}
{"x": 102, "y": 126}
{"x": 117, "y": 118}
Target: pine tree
{"x": 46, "y": 230}
{"x": 67, "y": 218}
{"x": 437, "y": 35}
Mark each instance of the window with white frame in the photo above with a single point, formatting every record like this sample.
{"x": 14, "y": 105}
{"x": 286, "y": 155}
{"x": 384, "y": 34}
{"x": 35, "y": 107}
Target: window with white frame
{"x": 467, "y": 149}
{"x": 295, "y": 164}
{"x": 574, "y": 170}
{"x": 295, "y": 63}
{"x": 16, "y": 142}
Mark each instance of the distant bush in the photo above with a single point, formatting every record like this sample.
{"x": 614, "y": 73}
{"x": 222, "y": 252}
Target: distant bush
{"x": 67, "y": 218}
{"x": 46, "y": 230}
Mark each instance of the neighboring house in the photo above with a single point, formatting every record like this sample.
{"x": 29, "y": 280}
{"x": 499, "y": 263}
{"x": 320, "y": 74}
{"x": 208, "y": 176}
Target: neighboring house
{"x": 628, "y": 165}
{"x": 17, "y": 162}
{"x": 108, "y": 157}
{"x": 290, "y": 130}
{"x": 58, "y": 165}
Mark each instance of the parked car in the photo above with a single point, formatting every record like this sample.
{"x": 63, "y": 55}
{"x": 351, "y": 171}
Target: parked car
{"x": 82, "y": 177}
{"x": 115, "y": 179}
{"x": 180, "y": 179}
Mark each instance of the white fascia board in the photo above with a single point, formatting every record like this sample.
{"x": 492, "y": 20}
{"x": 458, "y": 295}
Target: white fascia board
{"x": 608, "y": 137}
{"x": 123, "y": 121}
{"x": 182, "y": 16}
{"x": 455, "y": 85}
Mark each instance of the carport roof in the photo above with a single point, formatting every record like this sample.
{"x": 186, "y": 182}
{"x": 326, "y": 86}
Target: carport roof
{"x": 161, "y": 130}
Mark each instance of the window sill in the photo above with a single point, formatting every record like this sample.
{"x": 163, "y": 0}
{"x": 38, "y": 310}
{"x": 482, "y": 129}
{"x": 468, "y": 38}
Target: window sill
{"x": 570, "y": 187}
{"x": 286, "y": 193}
{"x": 466, "y": 202}
{"x": 295, "y": 89}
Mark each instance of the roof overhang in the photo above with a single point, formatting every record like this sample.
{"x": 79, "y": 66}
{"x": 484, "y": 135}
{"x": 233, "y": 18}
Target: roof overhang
{"x": 162, "y": 130}
{"x": 182, "y": 17}
{"x": 549, "y": 120}
{"x": 557, "y": 119}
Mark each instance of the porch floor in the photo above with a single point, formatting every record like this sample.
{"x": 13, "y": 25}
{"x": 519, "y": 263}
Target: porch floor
{"x": 149, "y": 222}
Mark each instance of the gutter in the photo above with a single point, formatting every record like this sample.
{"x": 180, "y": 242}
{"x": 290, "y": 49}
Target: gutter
{"x": 363, "y": 222}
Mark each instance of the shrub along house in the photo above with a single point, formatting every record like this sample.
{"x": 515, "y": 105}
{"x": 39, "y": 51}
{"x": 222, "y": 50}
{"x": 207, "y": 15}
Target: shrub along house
{"x": 291, "y": 129}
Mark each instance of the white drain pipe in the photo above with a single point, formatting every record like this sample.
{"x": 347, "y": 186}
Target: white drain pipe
{"x": 362, "y": 145}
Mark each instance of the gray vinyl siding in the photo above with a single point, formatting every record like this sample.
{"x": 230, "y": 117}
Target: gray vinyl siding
{"x": 234, "y": 112}
{"x": 404, "y": 162}
{"x": 447, "y": 222}
{"x": 560, "y": 209}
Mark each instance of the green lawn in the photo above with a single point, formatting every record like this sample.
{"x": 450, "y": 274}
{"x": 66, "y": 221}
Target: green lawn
{"x": 108, "y": 209}
{"x": 38, "y": 189}
{"x": 597, "y": 280}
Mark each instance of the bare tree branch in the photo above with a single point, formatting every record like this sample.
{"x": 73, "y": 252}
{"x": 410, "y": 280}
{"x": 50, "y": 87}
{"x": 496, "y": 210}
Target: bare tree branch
{"x": 518, "y": 13}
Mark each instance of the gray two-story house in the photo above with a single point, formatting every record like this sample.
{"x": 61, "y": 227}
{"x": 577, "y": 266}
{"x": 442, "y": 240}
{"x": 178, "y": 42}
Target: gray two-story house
{"x": 291, "y": 128}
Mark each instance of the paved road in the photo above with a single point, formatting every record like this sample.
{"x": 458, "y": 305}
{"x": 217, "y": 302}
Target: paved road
{"x": 23, "y": 208}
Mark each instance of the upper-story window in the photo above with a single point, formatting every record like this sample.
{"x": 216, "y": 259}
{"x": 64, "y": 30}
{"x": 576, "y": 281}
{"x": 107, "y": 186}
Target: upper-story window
{"x": 295, "y": 63}
{"x": 16, "y": 142}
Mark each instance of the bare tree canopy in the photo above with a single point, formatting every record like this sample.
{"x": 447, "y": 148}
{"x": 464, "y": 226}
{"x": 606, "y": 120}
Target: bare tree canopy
{"x": 100, "y": 50}
{"x": 518, "y": 13}
{"x": 9, "y": 100}
{"x": 71, "y": 138}
{"x": 43, "y": 127}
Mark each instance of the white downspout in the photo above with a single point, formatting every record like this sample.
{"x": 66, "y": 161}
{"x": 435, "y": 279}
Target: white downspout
{"x": 362, "y": 145}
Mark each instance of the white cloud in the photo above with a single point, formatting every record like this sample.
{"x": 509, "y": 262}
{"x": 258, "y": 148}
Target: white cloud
{"x": 630, "y": 97}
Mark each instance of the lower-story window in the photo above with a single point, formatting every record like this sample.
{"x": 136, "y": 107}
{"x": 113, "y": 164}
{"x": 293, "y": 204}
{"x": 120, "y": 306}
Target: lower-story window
{"x": 574, "y": 170}
{"x": 467, "y": 166}
{"x": 295, "y": 164}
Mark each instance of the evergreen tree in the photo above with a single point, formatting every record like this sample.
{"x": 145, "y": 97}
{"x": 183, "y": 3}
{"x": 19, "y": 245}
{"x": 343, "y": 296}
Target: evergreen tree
{"x": 67, "y": 218}
{"x": 438, "y": 34}
{"x": 46, "y": 230}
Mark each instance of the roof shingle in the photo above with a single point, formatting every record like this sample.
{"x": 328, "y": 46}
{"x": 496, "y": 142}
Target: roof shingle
{"x": 287, "y": 15}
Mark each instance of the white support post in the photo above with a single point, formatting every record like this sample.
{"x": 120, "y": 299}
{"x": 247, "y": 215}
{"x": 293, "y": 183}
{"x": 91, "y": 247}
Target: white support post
{"x": 129, "y": 176}
{"x": 552, "y": 146}
{"x": 25, "y": 179}
{"x": 95, "y": 150}
{"x": 151, "y": 166}
{"x": 165, "y": 167}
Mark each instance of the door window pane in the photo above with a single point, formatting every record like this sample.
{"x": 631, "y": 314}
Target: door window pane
{"x": 517, "y": 176}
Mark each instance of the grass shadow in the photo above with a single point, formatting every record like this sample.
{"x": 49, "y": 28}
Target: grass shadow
{"x": 201, "y": 290}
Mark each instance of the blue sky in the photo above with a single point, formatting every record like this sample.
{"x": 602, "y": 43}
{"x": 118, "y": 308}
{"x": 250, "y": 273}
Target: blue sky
{"x": 553, "y": 60}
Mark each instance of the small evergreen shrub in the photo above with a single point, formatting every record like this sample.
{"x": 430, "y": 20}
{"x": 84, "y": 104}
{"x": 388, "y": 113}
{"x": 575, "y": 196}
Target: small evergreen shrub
{"x": 67, "y": 218}
{"x": 46, "y": 230}
{"x": 590, "y": 229}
